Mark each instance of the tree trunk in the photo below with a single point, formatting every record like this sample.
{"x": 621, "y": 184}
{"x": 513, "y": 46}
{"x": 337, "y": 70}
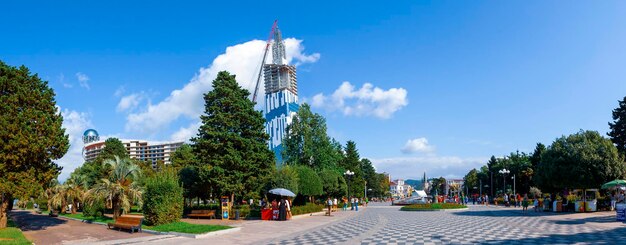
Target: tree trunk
{"x": 116, "y": 208}
{"x": 74, "y": 207}
{"x": 4, "y": 205}
{"x": 63, "y": 207}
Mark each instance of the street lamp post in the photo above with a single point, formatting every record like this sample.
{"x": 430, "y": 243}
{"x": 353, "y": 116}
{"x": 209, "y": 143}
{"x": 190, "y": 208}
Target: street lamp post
{"x": 504, "y": 172}
{"x": 514, "y": 180}
{"x": 348, "y": 175}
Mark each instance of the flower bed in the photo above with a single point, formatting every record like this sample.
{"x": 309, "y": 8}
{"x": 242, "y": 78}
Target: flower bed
{"x": 432, "y": 206}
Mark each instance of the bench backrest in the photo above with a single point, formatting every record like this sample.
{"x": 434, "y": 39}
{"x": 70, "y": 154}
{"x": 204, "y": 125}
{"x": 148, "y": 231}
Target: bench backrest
{"x": 128, "y": 220}
{"x": 202, "y": 211}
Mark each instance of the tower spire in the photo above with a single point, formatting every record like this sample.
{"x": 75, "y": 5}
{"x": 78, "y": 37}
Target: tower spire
{"x": 278, "y": 48}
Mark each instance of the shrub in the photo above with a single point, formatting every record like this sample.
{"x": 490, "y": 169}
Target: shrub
{"x": 163, "y": 199}
{"x": 308, "y": 208}
{"x": 94, "y": 209}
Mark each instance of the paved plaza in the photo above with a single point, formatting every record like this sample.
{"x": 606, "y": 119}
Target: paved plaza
{"x": 381, "y": 223}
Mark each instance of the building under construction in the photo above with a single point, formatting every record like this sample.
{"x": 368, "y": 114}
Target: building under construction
{"x": 281, "y": 95}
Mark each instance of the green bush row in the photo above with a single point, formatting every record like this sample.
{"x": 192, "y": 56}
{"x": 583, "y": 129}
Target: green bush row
{"x": 308, "y": 208}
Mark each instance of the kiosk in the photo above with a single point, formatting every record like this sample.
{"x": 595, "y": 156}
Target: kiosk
{"x": 225, "y": 207}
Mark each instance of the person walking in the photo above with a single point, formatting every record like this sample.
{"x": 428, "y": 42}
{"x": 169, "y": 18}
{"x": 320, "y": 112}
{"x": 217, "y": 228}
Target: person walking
{"x": 345, "y": 203}
{"x": 525, "y": 203}
{"x": 506, "y": 200}
{"x": 536, "y": 204}
{"x": 356, "y": 204}
{"x": 486, "y": 200}
{"x": 329, "y": 203}
{"x": 351, "y": 203}
{"x": 613, "y": 201}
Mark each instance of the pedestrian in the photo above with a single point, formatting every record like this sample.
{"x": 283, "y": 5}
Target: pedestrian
{"x": 356, "y": 204}
{"x": 486, "y": 200}
{"x": 251, "y": 201}
{"x": 352, "y": 204}
{"x": 613, "y": 201}
{"x": 536, "y": 204}
{"x": 329, "y": 203}
{"x": 366, "y": 201}
{"x": 525, "y": 203}
{"x": 282, "y": 210}
{"x": 345, "y": 203}
{"x": 288, "y": 203}
{"x": 506, "y": 200}
{"x": 334, "y": 205}
{"x": 519, "y": 200}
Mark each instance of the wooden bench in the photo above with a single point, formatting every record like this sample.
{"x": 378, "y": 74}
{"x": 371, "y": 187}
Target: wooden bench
{"x": 131, "y": 223}
{"x": 202, "y": 214}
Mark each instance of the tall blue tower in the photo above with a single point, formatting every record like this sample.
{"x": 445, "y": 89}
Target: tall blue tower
{"x": 281, "y": 96}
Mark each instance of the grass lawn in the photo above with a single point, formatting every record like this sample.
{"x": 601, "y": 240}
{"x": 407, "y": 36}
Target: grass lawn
{"x": 184, "y": 227}
{"x": 432, "y": 206}
{"x": 89, "y": 219}
{"x": 12, "y": 235}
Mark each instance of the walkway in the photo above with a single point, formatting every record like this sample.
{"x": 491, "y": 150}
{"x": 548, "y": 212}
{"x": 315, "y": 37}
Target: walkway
{"x": 42, "y": 229}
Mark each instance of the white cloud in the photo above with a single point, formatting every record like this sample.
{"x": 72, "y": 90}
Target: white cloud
{"x": 418, "y": 145}
{"x": 130, "y": 102}
{"x": 75, "y": 123}
{"x": 242, "y": 60}
{"x": 119, "y": 91}
{"x": 366, "y": 101}
{"x": 83, "y": 80}
{"x": 185, "y": 133}
{"x": 434, "y": 166}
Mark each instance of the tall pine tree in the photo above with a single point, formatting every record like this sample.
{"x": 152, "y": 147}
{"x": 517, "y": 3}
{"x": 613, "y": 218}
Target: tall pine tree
{"x": 618, "y": 127}
{"x": 232, "y": 140}
{"x": 31, "y": 134}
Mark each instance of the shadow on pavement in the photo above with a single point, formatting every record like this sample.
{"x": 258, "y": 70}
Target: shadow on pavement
{"x": 503, "y": 213}
{"x": 596, "y": 219}
{"x": 613, "y": 236}
{"x": 28, "y": 221}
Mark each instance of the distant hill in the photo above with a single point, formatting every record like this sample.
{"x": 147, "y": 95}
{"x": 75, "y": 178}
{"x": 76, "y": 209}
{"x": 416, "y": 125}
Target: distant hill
{"x": 417, "y": 184}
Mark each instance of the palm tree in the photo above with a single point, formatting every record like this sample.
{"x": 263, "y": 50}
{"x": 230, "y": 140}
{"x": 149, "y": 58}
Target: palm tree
{"x": 58, "y": 197}
{"x": 75, "y": 190}
{"x": 121, "y": 189}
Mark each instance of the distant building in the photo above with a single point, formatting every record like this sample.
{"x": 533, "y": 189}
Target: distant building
{"x": 454, "y": 182}
{"x": 399, "y": 189}
{"x": 137, "y": 149}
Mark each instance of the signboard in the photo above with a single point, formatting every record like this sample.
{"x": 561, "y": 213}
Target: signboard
{"x": 225, "y": 207}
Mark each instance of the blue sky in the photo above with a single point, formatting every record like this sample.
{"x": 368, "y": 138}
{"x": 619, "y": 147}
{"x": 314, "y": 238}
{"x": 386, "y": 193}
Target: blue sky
{"x": 450, "y": 82}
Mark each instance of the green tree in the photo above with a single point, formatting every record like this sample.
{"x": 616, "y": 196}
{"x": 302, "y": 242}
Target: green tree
{"x": 183, "y": 157}
{"x": 32, "y": 136}
{"x": 307, "y": 142}
{"x": 618, "y": 127}
{"x": 438, "y": 186}
{"x": 96, "y": 170}
{"x": 232, "y": 140}
{"x": 471, "y": 180}
{"x": 120, "y": 188}
{"x": 581, "y": 160}
{"x": 309, "y": 183}
{"x": 163, "y": 198}
{"x": 286, "y": 177}
{"x": 333, "y": 184}
{"x": 352, "y": 162}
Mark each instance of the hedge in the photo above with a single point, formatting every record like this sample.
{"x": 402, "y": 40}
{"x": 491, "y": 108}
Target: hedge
{"x": 308, "y": 208}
